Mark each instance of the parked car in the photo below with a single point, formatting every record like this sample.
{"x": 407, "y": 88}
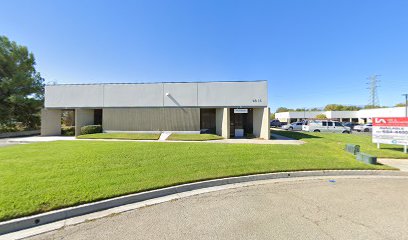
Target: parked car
{"x": 364, "y": 128}
{"x": 275, "y": 123}
{"x": 296, "y": 126}
{"x": 350, "y": 125}
{"x": 325, "y": 126}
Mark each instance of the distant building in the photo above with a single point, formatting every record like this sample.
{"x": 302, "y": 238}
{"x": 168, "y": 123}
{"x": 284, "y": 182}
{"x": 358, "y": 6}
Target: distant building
{"x": 360, "y": 116}
{"x": 229, "y": 109}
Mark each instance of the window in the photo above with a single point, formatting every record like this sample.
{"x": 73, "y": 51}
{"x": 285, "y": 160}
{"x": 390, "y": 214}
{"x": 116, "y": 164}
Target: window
{"x": 337, "y": 124}
{"x": 330, "y": 124}
{"x": 299, "y": 123}
{"x": 324, "y": 124}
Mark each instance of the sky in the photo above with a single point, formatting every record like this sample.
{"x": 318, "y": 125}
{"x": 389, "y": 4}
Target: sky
{"x": 312, "y": 53}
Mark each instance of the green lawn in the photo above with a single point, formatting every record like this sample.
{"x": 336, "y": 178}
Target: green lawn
{"x": 340, "y": 140}
{"x": 193, "y": 137}
{"x": 40, "y": 177}
{"x": 128, "y": 136}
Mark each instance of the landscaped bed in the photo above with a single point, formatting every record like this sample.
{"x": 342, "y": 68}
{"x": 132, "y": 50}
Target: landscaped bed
{"x": 40, "y": 177}
{"x": 193, "y": 137}
{"x": 126, "y": 136}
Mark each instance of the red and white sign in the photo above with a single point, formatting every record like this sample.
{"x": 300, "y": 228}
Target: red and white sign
{"x": 390, "y": 130}
{"x": 390, "y": 122}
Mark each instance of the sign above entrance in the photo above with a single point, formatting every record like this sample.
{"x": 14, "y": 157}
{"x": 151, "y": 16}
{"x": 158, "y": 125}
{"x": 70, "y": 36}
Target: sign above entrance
{"x": 241, "y": 110}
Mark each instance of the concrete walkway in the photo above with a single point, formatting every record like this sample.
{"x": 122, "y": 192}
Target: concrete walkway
{"x": 34, "y": 139}
{"x": 401, "y": 164}
{"x": 332, "y": 208}
{"x": 4, "y": 142}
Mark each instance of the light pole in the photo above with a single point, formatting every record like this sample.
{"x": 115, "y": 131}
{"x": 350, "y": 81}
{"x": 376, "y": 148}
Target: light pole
{"x": 406, "y": 104}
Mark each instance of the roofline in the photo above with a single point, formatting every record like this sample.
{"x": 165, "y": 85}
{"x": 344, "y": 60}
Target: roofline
{"x": 64, "y": 84}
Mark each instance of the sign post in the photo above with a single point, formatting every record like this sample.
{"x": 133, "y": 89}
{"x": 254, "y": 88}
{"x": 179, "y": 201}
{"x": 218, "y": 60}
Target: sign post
{"x": 391, "y": 131}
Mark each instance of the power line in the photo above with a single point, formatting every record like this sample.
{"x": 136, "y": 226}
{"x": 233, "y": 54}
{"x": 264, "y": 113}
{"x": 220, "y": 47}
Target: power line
{"x": 373, "y": 86}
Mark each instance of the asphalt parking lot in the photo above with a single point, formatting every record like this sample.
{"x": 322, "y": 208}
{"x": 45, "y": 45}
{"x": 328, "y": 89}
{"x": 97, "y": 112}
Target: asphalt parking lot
{"x": 340, "y": 208}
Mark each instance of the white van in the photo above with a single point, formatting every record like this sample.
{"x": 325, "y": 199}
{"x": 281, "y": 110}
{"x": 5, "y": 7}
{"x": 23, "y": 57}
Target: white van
{"x": 325, "y": 126}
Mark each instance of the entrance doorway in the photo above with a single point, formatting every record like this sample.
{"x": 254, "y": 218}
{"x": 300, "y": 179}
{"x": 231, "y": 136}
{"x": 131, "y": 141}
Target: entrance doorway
{"x": 241, "y": 122}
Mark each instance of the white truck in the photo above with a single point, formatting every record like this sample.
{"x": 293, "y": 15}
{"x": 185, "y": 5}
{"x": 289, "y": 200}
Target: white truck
{"x": 325, "y": 126}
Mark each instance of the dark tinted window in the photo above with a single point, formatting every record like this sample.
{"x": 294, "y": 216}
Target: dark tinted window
{"x": 337, "y": 124}
{"x": 329, "y": 124}
{"x": 299, "y": 123}
{"x": 324, "y": 123}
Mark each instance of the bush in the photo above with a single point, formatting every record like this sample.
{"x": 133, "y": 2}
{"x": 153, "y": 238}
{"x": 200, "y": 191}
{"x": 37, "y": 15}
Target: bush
{"x": 68, "y": 131}
{"x": 321, "y": 116}
{"x": 90, "y": 129}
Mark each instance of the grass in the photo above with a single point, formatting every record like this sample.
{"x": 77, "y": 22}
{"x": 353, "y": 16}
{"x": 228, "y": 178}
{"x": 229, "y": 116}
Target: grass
{"x": 193, "y": 137}
{"x": 340, "y": 140}
{"x": 40, "y": 177}
{"x": 126, "y": 136}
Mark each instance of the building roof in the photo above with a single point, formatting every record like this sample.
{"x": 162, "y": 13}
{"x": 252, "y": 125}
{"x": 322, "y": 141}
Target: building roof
{"x": 58, "y": 84}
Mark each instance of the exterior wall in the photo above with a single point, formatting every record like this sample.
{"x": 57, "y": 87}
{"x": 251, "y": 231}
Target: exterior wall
{"x": 180, "y": 94}
{"x": 74, "y": 96}
{"x": 83, "y": 117}
{"x": 382, "y": 112}
{"x": 222, "y": 118}
{"x": 132, "y": 95}
{"x": 201, "y": 94}
{"x": 341, "y": 114}
{"x": 285, "y": 116}
{"x": 261, "y": 123}
{"x": 362, "y": 115}
{"x": 151, "y": 119}
{"x": 233, "y": 94}
{"x": 50, "y": 122}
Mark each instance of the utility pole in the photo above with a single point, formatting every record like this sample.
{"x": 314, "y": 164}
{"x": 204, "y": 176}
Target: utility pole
{"x": 373, "y": 85}
{"x": 406, "y": 104}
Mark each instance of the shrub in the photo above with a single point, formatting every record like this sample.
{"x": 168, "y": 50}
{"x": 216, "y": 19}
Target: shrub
{"x": 68, "y": 131}
{"x": 321, "y": 116}
{"x": 90, "y": 129}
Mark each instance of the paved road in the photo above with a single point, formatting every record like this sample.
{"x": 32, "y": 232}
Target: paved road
{"x": 365, "y": 208}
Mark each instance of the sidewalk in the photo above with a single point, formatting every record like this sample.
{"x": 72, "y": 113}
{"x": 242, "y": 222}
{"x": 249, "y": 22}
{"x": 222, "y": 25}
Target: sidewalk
{"x": 401, "y": 164}
{"x": 278, "y": 140}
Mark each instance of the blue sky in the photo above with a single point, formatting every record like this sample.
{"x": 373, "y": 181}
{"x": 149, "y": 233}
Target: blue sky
{"x": 312, "y": 52}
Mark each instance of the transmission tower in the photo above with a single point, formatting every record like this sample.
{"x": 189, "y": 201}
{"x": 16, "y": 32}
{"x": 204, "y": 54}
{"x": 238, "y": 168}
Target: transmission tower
{"x": 373, "y": 86}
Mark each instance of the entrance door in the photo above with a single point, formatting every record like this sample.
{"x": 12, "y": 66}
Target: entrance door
{"x": 241, "y": 122}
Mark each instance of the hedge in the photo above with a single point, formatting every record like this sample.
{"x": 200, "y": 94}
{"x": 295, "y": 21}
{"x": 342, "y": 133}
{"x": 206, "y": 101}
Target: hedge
{"x": 90, "y": 129}
{"x": 68, "y": 131}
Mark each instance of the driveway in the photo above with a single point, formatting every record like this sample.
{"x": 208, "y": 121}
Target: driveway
{"x": 341, "y": 208}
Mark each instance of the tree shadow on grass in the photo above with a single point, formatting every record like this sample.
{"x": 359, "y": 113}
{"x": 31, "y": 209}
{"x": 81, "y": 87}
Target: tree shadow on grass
{"x": 294, "y": 135}
{"x": 397, "y": 149}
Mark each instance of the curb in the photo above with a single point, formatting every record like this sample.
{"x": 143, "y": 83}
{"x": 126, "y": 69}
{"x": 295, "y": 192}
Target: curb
{"x": 62, "y": 214}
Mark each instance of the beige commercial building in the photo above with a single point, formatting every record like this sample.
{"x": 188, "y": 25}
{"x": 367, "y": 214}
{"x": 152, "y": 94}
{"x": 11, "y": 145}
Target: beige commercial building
{"x": 229, "y": 109}
{"x": 360, "y": 116}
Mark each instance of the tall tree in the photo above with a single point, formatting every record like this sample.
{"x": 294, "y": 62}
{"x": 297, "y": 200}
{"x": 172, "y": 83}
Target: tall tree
{"x": 339, "y": 107}
{"x": 21, "y": 86}
{"x": 283, "y": 109}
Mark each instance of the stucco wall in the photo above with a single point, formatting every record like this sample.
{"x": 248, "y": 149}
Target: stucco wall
{"x": 199, "y": 94}
{"x": 261, "y": 123}
{"x": 151, "y": 119}
{"x": 222, "y": 122}
{"x": 83, "y": 117}
{"x": 50, "y": 122}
